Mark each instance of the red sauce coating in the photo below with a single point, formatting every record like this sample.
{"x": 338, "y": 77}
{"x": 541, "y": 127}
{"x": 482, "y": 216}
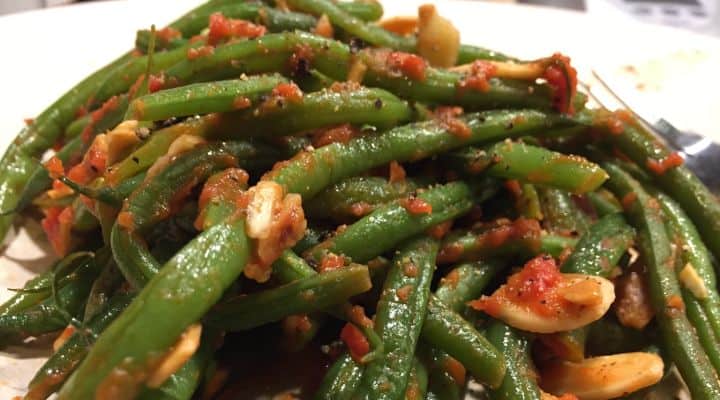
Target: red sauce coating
{"x": 330, "y": 262}
{"x": 562, "y": 77}
{"x": 478, "y": 77}
{"x": 336, "y": 134}
{"x": 110, "y": 105}
{"x": 440, "y": 230}
{"x": 222, "y": 28}
{"x": 357, "y": 343}
{"x": 659, "y": 167}
{"x": 55, "y": 167}
{"x": 397, "y": 172}
{"x": 241, "y": 102}
{"x": 455, "y": 369}
{"x": 448, "y": 117}
{"x": 534, "y": 286}
{"x": 156, "y": 82}
{"x": 167, "y": 34}
{"x": 513, "y": 186}
{"x": 57, "y": 225}
{"x": 416, "y": 206}
{"x": 409, "y": 65}
{"x": 289, "y": 91}
{"x": 628, "y": 200}
{"x": 197, "y": 52}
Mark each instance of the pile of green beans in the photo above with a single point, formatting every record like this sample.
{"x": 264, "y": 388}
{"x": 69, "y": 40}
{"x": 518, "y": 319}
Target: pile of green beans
{"x": 345, "y": 192}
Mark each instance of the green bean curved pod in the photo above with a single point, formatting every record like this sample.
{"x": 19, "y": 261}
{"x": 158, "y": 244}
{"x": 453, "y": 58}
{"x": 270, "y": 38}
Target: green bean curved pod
{"x": 133, "y": 259}
{"x": 398, "y": 320}
{"x": 678, "y": 335}
{"x": 193, "y": 280}
{"x": 63, "y": 362}
{"x": 519, "y": 382}
{"x": 202, "y": 98}
{"x": 390, "y": 225}
{"x": 31, "y": 294}
{"x": 301, "y": 296}
{"x": 449, "y": 332}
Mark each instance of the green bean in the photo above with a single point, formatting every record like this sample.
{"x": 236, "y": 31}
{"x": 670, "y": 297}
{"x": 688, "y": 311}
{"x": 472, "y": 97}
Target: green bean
{"x": 398, "y": 320}
{"x": 597, "y": 253}
{"x": 202, "y": 98}
{"x": 466, "y": 282}
{"x": 528, "y": 204}
{"x": 417, "y": 381}
{"x": 75, "y": 128}
{"x": 539, "y": 166}
{"x": 193, "y": 280}
{"x": 679, "y": 182}
{"x": 354, "y": 197}
{"x": 378, "y": 36}
{"x": 449, "y": 332}
{"x": 703, "y": 327}
{"x": 693, "y": 252}
{"x": 39, "y": 180}
{"x": 298, "y": 297}
{"x": 33, "y": 292}
{"x": 677, "y": 332}
{"x": 53, "y": 313}
{"x": 102, "y": 290}
{"x": 156, "y": 146}
{"x": 604, "y": 202}
{"x": 369, "y": 33}
{"x": 519, "y": 382}
{"x": 442, "y": 384}
{"x": 63, "y": 362}
{"x": 600, "y": 249}
{"x": 561, "y": 213}
{"x": 363, "y": 106}
{"x": 391, "y": 224}
{"x": 341, "y": 380}
{"x": 333, "y": 59}
{"x": 182, "y": 384}
{"x": 154, "y": 200}
{"x": 524, "y": 239}
{"x": 607, "y": 336}
{"x": 334, "y": 162}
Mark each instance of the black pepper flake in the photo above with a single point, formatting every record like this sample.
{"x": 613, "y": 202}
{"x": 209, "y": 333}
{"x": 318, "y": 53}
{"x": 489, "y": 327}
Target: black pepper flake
{"x": 92, "y": 167}
{"x": 136, "y": 160}
{"x": 510, "y": 125}
{"x": 280, "y": 103}
{"x": 378, "y": 104}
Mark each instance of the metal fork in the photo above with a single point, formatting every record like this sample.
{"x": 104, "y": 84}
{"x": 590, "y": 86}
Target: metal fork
{"x": 701, "y": 154}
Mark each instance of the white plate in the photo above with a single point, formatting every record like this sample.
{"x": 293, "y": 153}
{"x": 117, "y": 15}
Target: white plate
{"x": 46, "y": 52}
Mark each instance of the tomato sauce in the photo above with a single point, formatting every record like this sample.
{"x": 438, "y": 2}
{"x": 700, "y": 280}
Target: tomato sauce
{"x": 357, "y": 343}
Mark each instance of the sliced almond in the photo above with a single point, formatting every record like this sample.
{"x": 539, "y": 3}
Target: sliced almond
{"x": 602, "y": 378}
{"x": 578, "y": 314}
{"x": 177, "y": 357}
{"x": 438, "y": 40}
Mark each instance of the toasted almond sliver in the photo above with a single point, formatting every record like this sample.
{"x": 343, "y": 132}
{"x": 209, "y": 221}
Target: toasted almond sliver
{"x": 177, "y": 356}
{"x": 602, "y": 378}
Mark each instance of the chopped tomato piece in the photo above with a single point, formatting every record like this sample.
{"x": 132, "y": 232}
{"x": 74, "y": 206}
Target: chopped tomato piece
{"x": 57, "y": 225}
{"x": 416, "y": 206}
{"x": 659, "y": 167}
{"x": 479, "y": 76}
{"x": 222, "y": 28}
{"x": 407, "y": 64}
{"x": 562, "y": 77}
{"x": 357, "y": 343}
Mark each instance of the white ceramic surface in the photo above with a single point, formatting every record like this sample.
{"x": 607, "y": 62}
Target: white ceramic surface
{"x": 46, "y": 52}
